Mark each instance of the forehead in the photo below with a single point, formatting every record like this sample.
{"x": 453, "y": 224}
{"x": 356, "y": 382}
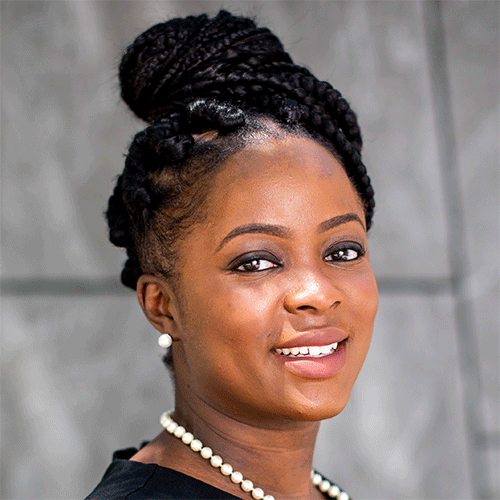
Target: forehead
{"x": 272, "y": 175}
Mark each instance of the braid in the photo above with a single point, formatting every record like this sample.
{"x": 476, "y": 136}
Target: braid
{"x": 156, "y": 180}
{"x": 225, "y": 75}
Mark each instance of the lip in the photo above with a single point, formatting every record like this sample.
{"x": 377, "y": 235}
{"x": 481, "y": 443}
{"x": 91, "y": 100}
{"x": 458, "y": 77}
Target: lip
{"x": 320, "y": 338}
{"x": 316, "y": 368}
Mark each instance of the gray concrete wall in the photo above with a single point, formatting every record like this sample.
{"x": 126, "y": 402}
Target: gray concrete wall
{"x": 81, "y": 371}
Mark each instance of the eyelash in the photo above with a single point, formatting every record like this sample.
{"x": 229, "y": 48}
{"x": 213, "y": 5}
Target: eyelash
{"x": 344, "y": 254}
{"x": 343, "y": 251}
{"x": 256, "y": 258}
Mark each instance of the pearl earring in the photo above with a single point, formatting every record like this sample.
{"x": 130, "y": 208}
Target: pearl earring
{"x": 165, "y": 340}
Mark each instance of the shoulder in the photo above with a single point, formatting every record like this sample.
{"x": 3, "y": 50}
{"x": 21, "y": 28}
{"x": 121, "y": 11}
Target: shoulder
{"x": 125, "y": 479}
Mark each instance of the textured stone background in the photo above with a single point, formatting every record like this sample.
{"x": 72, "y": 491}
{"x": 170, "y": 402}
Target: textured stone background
{"x": 81, "y": 371}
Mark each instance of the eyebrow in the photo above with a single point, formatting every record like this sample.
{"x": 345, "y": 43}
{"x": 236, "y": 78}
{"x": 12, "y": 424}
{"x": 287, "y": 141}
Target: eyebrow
{"x": 338, "y": 220}
{"x": 284, "y": 232}
{"x": 271, "y": 229}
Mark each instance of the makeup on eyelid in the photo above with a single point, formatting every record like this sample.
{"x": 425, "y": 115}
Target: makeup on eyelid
{"x": 283, "y": 232}
{"x": 264, "y": 260}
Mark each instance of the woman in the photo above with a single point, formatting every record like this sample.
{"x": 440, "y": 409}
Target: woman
{"x": 244, "y": 208}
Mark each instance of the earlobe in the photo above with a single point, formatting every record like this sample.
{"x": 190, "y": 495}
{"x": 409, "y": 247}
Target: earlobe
{"x": 155, "y": 298}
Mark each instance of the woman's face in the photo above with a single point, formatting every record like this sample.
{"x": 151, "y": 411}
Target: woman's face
{"x": 276, "y": 275}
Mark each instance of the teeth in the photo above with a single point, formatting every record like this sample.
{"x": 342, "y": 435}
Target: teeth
{"x": 314, "y": 351}
{"x": 308, "y": 351}
{"x": 326, "y": 349}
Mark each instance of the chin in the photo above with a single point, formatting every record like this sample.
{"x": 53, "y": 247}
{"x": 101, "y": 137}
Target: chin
{"x": 318, "y": 406}
{"x": 323, "y": 412}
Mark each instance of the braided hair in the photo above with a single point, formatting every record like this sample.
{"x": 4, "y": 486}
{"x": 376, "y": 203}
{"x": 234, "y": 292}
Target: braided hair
{"x": 203, "y": 85}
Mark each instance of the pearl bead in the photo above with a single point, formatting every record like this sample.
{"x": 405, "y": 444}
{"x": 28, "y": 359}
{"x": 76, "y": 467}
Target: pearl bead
{"x": 246, "y": 485}
{"x": 196, "y": 445}
{"x": 268, "y": 497}
{"x": 179, "y": 432}
{"x": 216, "y": 461}
{"x": 206, "y": 452}
{"x": 165, "y": 340}
{"x": 324, "y": 485}
{"x": 258, "y": 493}
{"x": 343, "y": 496}
{"x": 316, "y": 479}
{"x": 334, "y": 491}
{"x": 226, "y": 469}
{"x": 236, "y": 477}
{"x": 187, "y": 438}
{"x": 171, "y": 428}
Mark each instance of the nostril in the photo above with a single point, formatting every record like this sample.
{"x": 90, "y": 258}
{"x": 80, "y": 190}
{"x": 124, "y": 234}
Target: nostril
{"x": 307, "y": 307}
{"x": 312, "y": 298}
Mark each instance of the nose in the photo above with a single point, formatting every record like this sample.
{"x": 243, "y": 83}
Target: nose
{"x": 313, "y": 291}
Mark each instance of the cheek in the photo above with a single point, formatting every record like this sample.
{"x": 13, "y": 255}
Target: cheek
{"x": 227, "y": 337}
{"x": 225, "y": 317}
{"x": 363, "y": 300}
{"x": 253, "y": 308}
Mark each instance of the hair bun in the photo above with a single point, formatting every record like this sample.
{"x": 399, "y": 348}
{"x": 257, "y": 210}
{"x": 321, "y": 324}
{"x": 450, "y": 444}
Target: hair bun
{"x": 185, "y": 58}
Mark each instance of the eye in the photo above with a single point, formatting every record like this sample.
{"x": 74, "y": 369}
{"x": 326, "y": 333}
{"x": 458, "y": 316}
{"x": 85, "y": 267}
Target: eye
{"x": 255, "y": 264}
{"x": 345, "y": 253}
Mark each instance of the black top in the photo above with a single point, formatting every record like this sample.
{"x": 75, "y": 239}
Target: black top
{"x": 126, "y": 479}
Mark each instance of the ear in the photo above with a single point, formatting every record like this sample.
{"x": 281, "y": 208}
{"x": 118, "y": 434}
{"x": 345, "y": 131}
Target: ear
{"x": 157, "y": 300}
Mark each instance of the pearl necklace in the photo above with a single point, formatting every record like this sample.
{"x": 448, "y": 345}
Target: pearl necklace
{"x": 172, "y": 427}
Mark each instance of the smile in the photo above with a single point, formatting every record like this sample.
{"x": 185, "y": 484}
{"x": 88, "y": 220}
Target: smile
{"x": 308, "y": 351}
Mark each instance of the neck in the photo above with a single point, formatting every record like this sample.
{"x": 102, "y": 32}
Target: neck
{"x": 276, "y": 454}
